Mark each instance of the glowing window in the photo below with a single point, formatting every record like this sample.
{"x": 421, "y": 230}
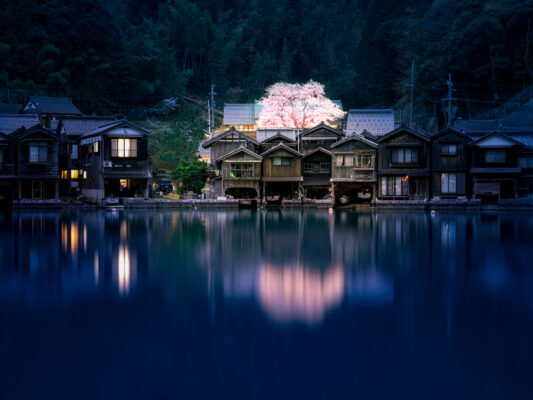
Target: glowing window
{"x": 123, "y": 148}
{"x": 74, "y": 174}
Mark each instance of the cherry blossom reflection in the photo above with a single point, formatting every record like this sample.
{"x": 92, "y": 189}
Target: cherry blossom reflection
{"x": 299, "y": 294}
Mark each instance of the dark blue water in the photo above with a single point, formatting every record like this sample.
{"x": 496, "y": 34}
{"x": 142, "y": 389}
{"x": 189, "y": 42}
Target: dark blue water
{"x": 266, "y": 305}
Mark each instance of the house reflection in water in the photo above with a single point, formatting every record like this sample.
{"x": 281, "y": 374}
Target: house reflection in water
{"x": 298, "y": 293}
{"x": 124, "y": 267}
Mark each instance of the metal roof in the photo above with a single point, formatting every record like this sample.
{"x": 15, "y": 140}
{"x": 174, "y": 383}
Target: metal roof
{"x": 377, "y": 122}
{"x": 9, "y": 123}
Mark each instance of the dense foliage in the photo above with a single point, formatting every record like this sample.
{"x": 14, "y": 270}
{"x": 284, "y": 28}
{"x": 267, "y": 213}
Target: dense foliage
{"x": 191, "y": 176}
{"x": 130, "y": 52}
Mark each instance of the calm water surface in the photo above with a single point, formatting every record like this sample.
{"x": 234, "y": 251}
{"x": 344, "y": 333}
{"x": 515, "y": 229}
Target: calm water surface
{"x": 188, "y": 305}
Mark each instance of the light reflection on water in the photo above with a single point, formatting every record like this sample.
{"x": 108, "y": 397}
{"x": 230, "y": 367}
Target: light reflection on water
{"x": 203, "y": 291}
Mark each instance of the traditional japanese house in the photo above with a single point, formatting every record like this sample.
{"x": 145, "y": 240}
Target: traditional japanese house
{"x": 354, "y": 170}
{"x": 316, "y": 182}
{"x": 241, "y": 174}
{"x": 282, "y": 173}
{"x": 403, "y": 165}
{"x": 278, "y": 138}
{"x": 50, "y": 109}
{"x": 37, "y": 151}
{"x": 495, "y": 167}
{"x": 221, "y": 145}
{"x": 321, "y": 135}
{"x": 449, "y": 164}
{"x": 115, "y": 161}
{"x": 71, "y": 129}
{"x": 9, "y": 123}
{"x": 8, "y": 178}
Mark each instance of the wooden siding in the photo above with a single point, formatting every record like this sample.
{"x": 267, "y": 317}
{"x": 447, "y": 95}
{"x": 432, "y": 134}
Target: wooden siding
{"x": 404, "y": 140}
{"x": 49, "y": 169}
{"x": 442, "y": 162}
{"x": 293, "y": 170}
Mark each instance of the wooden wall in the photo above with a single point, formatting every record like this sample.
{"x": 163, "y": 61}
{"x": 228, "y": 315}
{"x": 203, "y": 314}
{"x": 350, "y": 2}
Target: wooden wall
{"x": 293, "y": 170}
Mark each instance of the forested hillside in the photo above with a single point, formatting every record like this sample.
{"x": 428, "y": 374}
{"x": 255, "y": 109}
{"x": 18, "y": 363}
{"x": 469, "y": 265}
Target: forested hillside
{"x": 103, "y": 53}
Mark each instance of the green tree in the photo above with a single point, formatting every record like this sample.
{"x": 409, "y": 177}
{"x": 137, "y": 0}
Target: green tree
{"x": 190, "y": 175}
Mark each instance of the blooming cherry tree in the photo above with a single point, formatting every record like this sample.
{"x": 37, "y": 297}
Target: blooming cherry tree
{"x": 296, "y": 106}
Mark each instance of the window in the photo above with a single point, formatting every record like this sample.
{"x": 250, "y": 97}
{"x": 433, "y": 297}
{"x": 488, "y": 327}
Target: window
{"x": 74, "y": 152}
{"x": 448, "y": 183}
{"x": 448, "y": 149}
{"x": 64, "y": 174}
{"x": 364, "y": 160}
{"x": 405, "y": 156}
{"x": 84, "y": 174}
{"x": 241, "y": 170}
{"x": 123, "y": 148}
{"x": 344, "y": 160}
{"x": 246, "y": 128}
{"x": 281, "y": 161}
{"x": 74, "y": 174}
{"x": 38, "y": 153}
{"x": 495, "y": 156}
{"x": 526, "y": 162}
{"x": 395, "y": 186}
{"x": 317, "y": 167}
{"x": 96, "y": 147}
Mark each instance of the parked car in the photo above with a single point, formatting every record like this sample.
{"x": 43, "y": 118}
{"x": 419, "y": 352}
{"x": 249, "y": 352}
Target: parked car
{"x": 164, "y": 185}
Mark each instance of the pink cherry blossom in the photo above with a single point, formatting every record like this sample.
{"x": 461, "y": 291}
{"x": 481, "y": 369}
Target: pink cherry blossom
{"x": 296, "y": 106}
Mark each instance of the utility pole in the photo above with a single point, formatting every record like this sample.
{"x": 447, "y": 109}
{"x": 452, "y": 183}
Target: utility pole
{"x": 209, "y": 117}
{"x": 412, "y": 85}
{"x": 212, "y": 94}
{"x": 450, "y": 111}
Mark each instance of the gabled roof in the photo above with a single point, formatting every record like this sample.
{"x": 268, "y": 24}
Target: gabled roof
{"x": 230, "y": 131}
{"x": 511, "y": 142}
{"x": 117, "y": 124}
{"x": 319, "y": 149}
{"x": 80, "y": 126}
{"x": 9, "y": 123}
{"x": 278, "y": 136}
{"x": 357, "y": 138}
{"x": 322, "y": 125}
{"x": 378, "y": 122}
{"x": 281, "y": 146}
{"x": 473, "y": 126}
{"x": 3, "y": 136}
{"x": 23, "y": 132}
{"x": 450, "y": 130}
{"x": 240, "y": 150}
{"x": 52, "y": 105}
{"x": 401, "y": 129}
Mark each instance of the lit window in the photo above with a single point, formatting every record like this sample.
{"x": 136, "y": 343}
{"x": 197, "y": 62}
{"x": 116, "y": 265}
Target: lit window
{"x": 84, "y": 174}
{"x": 448, "y": 149}
{"x": 448, "y": 183}
{"x": 74, "y": 174}
{"x": 495, "y": 156}
{"x": 96, "y": 147}
{"x": 405, "y": 156}
{"x": 64, "y": 174}
{"x": 281, "y": 161}
{"x": 38, "y": 153}
{"x": 241, "y": 170}
{"x": 123, "y": 148}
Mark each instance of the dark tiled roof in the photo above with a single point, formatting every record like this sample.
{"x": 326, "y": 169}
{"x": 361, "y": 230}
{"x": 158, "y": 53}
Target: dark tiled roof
{"x": 405, "y": 172}
{"x": 80, "y": 126}
{"x": 469, "y": 126}
{"x": 503, "y": 170}
{"x": 115, "y": 124}
{"x": 360, "y": 138}
{"x": 143, "y": 174}
{"x": 9, "y": 123}
{"x": 55, "y": 105}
